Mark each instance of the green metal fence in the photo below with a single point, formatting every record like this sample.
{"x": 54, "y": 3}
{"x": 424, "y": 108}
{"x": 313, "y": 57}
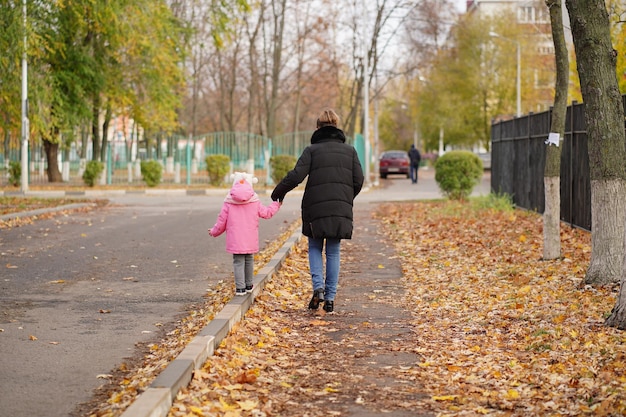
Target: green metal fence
{"x": 182, "y": 158}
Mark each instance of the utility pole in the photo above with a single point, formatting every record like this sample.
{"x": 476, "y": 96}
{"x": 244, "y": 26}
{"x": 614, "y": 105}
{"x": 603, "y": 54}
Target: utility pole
{"x": 25, "y": 122}
{"x": 366, "y": 99}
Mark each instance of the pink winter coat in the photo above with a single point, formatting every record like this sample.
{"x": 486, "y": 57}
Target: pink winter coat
{"x": 239, "y": 217}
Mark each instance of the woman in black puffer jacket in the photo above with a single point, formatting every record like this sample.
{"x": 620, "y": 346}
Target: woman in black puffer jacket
{"x": 335, "y": 179}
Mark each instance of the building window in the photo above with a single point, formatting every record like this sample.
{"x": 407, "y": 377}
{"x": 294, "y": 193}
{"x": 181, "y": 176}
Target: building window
{"x": 526, "y": 14}
{"x": 530, "y": 14}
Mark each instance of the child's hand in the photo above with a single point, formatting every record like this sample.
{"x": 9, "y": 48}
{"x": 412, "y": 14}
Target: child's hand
{"x": 210, "y": 234}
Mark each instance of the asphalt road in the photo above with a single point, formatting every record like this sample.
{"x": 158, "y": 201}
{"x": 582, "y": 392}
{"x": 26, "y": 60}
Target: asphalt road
{"x": 91, "y": 285}
{"x": 79, "y": 292}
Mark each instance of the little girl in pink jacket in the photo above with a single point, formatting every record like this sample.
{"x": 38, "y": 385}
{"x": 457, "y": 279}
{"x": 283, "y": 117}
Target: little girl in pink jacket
{"x": 239, "y": 217}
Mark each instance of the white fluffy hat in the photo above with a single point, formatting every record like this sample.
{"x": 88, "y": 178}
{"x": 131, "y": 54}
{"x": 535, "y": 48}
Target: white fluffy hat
{"x": 243, "y": 176}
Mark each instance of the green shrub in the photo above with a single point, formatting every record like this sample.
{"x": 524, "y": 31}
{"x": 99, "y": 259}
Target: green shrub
{"x": 151, "y": 171}
{"x": 92, "y": 173}
{"x": 218, "y": 166}
{"x": 457, "y": 173}
{"x": 15, "y": 173}
{"x": 280, "y": 166}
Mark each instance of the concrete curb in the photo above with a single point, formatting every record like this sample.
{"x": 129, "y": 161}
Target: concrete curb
{"x": 118, "y": 192}
{"x": 157, "y": 400}
{"x": 37, "y": 212}
{"x": 175, "y": 192}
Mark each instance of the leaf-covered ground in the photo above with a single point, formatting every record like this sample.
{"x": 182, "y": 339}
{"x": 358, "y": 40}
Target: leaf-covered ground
{"x": 494, "y": 330}
{"x": 11, "y": 205}
{"x": 503, "y": 330}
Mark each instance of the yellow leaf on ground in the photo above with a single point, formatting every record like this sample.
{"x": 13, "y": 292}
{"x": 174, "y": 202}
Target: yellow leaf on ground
{"x": 319, "y": 323}
{"x": 269, "y": 331}
{"x": 196, "y": 410}
{"x": 242, "y": 351}
{"x": 512, "y": 394}
{"x": 248, "y": 405}
{"x": 444, "y": 397}
{"x": 226, "y": 406}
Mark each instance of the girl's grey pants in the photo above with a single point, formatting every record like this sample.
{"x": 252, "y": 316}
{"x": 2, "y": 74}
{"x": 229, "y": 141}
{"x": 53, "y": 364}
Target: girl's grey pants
{"x": 243, "y": 265}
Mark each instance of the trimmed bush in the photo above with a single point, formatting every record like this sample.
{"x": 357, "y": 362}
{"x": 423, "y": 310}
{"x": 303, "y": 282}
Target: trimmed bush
{"x": 457, "y": 173}
{"x": 151, "y": 171}
{"x": 92, "y": 173}
{"x": 15, "y": 173}
{"x": 281, "y": 165}
{"x": 218, "y": 166}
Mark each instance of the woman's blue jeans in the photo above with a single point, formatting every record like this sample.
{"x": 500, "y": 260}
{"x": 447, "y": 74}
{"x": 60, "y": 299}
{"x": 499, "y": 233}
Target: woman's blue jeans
{"x": 316, "y": 265}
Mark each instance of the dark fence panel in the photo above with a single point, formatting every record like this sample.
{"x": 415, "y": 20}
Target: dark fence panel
{"x": 518, "y": 153}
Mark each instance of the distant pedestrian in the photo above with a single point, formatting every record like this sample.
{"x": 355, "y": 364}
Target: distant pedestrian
{"x": 416, "y": 158}
{"x": 239, "y": 217}
{"x": 335, "y": 177}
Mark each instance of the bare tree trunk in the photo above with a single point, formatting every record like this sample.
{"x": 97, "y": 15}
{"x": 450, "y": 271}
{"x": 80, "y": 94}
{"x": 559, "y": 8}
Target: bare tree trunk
{"x": 52, "y": 153}
{"x": 618, "y": 314}
{"x": 253, "y": 60}
{"x": 604, "y": 116}
{"x": 195, "y": 92}
{"x": 84, "y": 140}
{"x": 552, "y": 170}
{"x": 7, "y": 136}
{"x": 278, "y": 7}
{"x": 105, "y": 133}
{"x": 230, "y": 89}
{"x": 95, "y": 129}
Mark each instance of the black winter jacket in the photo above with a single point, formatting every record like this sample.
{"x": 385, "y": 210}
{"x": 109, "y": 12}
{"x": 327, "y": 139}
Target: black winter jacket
{"x": 335, "y": 179}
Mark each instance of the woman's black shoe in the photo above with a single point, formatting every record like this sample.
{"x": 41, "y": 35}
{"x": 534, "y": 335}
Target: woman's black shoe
{"x": 318, "y": 296}
{"x": 328, "y": 306}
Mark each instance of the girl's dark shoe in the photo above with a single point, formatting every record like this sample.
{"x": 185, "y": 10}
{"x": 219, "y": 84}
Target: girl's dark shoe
{"x": 318, "y": 296}
{"x": 329, "y": 306}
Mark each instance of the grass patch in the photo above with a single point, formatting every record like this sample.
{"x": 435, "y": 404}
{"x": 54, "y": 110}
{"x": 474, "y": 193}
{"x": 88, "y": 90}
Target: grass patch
{"x": 10, "y": 205}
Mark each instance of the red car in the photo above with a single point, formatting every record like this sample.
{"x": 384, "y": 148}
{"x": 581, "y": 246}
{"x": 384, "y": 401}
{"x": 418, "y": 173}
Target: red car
{"x": 394, "y": 163}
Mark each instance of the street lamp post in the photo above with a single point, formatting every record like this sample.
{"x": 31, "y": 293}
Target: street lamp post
{"x": 518, "y": 83}
{"x": 366, "y": 99}
{"x": 25, "y": 129}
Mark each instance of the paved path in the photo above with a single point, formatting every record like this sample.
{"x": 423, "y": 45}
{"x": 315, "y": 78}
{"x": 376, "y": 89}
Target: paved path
{"x": 76, "y": 341}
